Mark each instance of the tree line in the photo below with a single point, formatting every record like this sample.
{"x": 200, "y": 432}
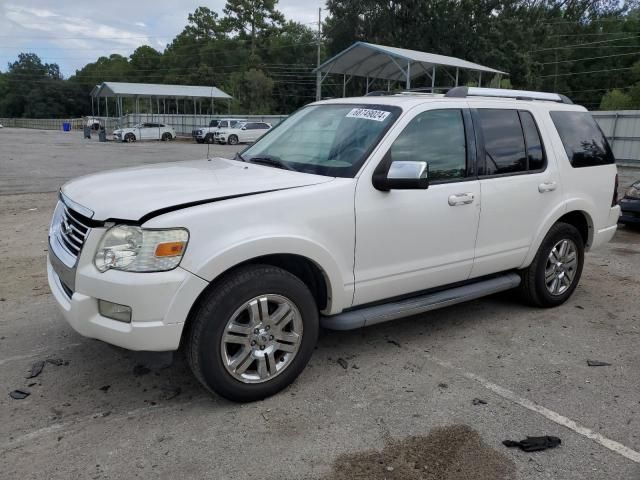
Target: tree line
{"x": 588, "y": 50}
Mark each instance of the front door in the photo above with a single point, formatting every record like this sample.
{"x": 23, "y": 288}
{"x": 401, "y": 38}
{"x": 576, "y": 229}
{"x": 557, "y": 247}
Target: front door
{"x": 413, "y": 240}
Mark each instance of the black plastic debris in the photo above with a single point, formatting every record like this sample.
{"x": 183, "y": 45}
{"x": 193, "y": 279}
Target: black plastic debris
{"x": 19, "y": 394}
{"x": 443, "y": 385}
{"x": 104, "y": 388}
{"x": 343, "y": 363}
{"x": 534, "y": 444}
{"x": 393, "y": 342}
{"x": 140, "y": 370}
{"x": 171, "y": 392}
{"x": 36, "y": 369}
{"x": 597, "y": 363}
{"x": 56, "y": 361}
{"x": 479, "y": 401}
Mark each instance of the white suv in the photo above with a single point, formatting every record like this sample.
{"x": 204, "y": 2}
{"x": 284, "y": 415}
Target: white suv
{"x": 352, "y": 212}
{"x": 247, "y": 132}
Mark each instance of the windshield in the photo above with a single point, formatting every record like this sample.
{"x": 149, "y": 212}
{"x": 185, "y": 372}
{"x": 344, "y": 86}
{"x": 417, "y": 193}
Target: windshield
{"x": 332, "y": 140}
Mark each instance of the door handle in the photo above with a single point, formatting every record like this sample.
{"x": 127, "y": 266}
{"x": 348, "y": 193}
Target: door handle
{"x": 547, "y": 187}
{"x": 460, "y": 199}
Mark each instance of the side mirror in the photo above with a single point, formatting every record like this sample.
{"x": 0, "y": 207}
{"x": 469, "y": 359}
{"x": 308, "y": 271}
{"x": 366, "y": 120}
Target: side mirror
{"x": 243, "y": 128}
{"x": 403, "y": 175}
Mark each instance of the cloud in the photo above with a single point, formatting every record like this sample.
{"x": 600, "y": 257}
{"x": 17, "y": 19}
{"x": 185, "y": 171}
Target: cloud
{"x": 140, "y": 24}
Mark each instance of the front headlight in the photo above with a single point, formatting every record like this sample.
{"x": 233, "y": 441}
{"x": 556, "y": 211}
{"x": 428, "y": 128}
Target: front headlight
{"x": 633, "y": 192}
{"x": 136, "y": 249}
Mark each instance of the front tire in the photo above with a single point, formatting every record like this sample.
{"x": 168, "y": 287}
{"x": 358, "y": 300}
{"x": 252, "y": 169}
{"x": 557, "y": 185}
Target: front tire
{"x": 232, "y": 140}
{"x": 129, "y": 138}
{"x": 253, "y": 333}
{"x": 555, "y": 271}
{"x": 209, "y": 138}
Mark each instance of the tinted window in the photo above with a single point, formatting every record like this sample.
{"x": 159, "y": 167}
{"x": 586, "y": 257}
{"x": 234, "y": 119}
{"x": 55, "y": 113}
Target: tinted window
{"x": 262, "y": 126}
{"x": 250, "y": 126}
{"x": 503, "y": 141}
{"x": 584, "y": 142}
{"x": 535, "y": 151}
{"x": 436, "y": 137}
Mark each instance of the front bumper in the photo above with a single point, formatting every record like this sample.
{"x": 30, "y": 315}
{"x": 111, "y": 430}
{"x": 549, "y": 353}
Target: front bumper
{"x": 630, "y": 211}
{"x": 160, "y": 304}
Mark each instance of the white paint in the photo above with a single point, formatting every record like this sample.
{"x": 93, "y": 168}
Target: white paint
{"x": 545, "y": 412}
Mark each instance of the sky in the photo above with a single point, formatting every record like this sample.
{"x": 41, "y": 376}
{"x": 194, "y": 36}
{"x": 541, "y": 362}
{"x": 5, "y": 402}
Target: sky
{"x": 73, "y": 33}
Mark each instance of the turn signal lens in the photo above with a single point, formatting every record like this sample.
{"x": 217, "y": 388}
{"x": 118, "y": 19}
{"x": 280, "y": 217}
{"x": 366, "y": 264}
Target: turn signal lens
{"x": 169, "y": 249}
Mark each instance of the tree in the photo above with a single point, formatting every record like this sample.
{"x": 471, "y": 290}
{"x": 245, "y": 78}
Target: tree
{"x": 250, "y": 19}
{"x": 616, "y": 100}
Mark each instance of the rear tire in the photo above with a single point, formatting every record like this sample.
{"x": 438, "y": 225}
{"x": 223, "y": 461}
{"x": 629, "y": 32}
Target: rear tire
{"x": 272, "y": 320}
{"x": 555, "y": 271}
{"x": 166, "y": 136}
{"x": 199, "y": 140}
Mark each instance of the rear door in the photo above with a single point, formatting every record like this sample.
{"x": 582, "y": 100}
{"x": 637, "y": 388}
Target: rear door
{"x": 519, "y": 184}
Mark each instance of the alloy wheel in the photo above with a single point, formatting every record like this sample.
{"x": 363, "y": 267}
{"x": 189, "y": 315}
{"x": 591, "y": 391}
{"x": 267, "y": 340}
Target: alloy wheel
{"x": 261, "y": 339}
{"x": 561, "y": 265}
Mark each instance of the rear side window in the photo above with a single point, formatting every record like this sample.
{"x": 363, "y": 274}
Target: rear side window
{"x": 584, "y": 142}
{"x": 503, "y": 141}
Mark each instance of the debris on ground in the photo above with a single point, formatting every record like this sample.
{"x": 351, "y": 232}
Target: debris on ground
{"x": 443, "y": 385}
{"x": 534, "y": 444}
{"x": 597, "y": 363}
{"x": 343, "y": 363}
{"x": 479, "y": 401}
{"x": 104, "y": 388}
{"x": 36, "y": 369}
{"x": 355, "y": 366}
{"x": 580, "y": 307}
{"x": 393, "y": 342}
{"x": 19, "y": 394}
{"x": 140, "y": 370}
{"x": 57, "y": 362}
{"x": 171, "y": 392}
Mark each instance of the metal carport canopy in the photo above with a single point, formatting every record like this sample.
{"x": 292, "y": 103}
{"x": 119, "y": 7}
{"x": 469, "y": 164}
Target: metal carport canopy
{"x": 122, "y": 89}
{"x": 369, "y": 60}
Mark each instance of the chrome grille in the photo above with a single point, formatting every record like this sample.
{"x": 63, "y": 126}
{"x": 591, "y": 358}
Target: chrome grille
{"x": 71, "y": 232}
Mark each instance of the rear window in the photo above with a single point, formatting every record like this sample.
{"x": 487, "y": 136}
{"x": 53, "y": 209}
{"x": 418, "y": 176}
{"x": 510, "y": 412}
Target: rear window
{"x": 584, "y": 142}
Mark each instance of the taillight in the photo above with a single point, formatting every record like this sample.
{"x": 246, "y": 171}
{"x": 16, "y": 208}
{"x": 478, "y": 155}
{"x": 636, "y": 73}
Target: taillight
{"x": 614, "y": 200}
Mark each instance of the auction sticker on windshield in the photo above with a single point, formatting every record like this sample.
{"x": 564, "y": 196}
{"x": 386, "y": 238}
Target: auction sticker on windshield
{"x": 368, "y": 114}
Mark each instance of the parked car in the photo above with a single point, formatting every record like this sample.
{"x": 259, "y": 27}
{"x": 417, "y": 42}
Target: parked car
{"x": 630, "y": 206}
{"x": 206, "y": 134}
{"x": 145, "y": 131}
{"x": 241, "y": 261}
{"x": 93, "y": 123}
{"x": 247, "y": 132}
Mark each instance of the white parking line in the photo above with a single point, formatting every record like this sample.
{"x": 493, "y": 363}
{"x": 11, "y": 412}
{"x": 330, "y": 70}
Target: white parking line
{"x": 545, "y": 412}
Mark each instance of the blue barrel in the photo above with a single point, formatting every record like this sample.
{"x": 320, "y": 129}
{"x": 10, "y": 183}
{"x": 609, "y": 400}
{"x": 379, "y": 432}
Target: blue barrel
{"x": 66, "y": 126}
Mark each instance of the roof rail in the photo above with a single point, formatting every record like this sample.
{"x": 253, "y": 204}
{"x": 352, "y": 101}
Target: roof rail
{"x": 463, "y": 92}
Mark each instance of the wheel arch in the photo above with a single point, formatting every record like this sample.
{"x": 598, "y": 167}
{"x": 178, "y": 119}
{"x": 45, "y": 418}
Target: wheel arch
{"x": 573, "y": 213}
{"x": 306, "y": 269}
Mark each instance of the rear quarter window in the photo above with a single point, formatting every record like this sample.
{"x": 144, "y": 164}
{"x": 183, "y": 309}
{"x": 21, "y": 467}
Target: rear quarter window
{"x": 584, "y": 142}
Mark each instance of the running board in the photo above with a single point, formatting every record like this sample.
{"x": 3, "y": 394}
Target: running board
{"x": 366, "y": 316}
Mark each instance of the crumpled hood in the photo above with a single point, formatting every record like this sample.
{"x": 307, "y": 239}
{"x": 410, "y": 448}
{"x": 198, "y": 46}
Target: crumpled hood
{"x": 133, "y": 193}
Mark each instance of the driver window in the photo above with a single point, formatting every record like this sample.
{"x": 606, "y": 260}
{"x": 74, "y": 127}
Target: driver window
{"x": 436, "y": 137}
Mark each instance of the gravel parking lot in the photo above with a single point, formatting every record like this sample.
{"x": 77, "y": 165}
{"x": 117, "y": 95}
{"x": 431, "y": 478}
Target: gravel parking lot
{"x": 398, "y": 405}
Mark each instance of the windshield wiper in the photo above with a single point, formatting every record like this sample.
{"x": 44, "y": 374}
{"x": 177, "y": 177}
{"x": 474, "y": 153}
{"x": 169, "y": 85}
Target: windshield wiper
{"x": 271, "y": 161}
{"x": 239, "y": 156}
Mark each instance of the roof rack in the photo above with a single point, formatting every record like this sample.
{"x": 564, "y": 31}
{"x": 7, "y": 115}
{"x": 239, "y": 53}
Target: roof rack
{"x": 463, "y": 92}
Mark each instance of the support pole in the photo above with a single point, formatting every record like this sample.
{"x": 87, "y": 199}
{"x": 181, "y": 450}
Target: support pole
{"x": 408, "y": 75}
{"x": 92, "y": 114}
{"x": 344, "y": 85}
{"x": 388, "y": 85}
{"x": 457, "y": 76}
{"x": 480, "y": 79}
{"x": 98, "y": 102}
{"x": 366, "y": 89}
{"x": 318, "y": 74}
{"x": 106, "y": 102}
{"x": 433, "y": 79}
